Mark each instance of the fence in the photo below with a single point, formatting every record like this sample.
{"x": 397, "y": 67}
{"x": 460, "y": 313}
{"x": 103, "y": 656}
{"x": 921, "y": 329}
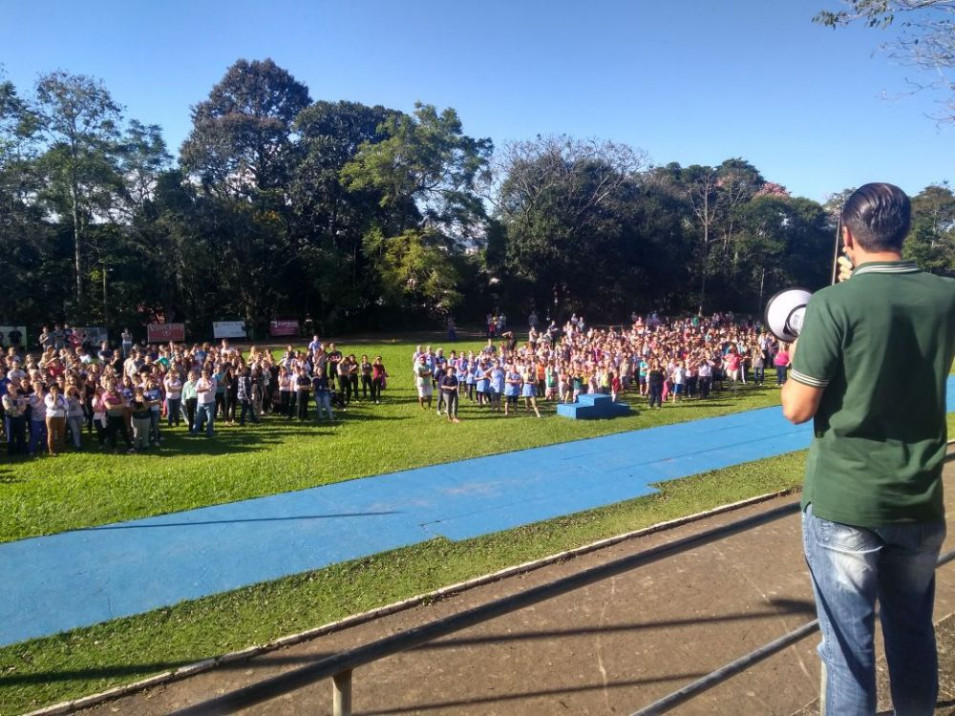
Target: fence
{"x": 339, "y": 667}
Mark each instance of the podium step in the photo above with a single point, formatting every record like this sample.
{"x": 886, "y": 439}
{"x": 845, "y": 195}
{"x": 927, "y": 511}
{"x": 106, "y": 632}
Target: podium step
{"x": 594, "y": 399}
{"x": 593, "y": 407}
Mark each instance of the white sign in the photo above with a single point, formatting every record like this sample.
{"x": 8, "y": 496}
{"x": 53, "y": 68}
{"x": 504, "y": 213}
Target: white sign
{"x": 228, "y": 329}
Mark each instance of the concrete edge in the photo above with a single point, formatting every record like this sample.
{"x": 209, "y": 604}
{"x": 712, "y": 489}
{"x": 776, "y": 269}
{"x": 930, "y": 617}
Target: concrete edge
{"x": 165, "y": 677}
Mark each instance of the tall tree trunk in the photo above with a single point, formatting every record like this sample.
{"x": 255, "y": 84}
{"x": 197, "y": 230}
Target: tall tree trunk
{"x": 77, "y": 246}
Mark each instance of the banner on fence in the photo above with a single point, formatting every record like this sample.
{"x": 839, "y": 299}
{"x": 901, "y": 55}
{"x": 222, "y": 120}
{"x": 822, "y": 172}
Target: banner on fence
{"x": 228, "y": 329}
{"x": 165, "y": 332}
{"x": 283, "y": 328}
{"x": 13, "y": 336}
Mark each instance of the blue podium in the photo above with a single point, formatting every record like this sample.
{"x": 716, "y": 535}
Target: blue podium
{"x": 593, "y": 407}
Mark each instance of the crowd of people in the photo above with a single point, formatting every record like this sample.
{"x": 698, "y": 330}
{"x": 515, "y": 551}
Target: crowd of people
{"x": 126, "y": 396}
{"x": 123, "y": 397}
{"x": 659, "y": 360}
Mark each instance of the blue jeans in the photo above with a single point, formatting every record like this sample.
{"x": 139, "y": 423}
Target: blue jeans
{"x": 205, "y": 415}
{"x": 850, "y": 568}
{"x": 37, "y": 436}
{"x": 247, "y": 409}
{"x": 781, "y": 371}
{"x": 16, "y": 435}
{"x": 154, "y": 415}
{"x": 173, "y": 406}
{"x": 323, "y": 404}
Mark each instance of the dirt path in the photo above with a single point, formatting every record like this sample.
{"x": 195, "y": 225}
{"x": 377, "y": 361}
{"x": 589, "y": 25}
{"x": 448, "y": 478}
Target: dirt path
{"x": 609, "y": 648}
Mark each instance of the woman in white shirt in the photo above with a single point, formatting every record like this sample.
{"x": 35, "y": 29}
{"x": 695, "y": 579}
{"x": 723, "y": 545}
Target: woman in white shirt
{"x": 173, "y": 386}
{"x": 56, "y": 409}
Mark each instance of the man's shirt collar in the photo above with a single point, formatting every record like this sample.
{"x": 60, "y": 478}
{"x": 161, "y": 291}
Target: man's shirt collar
{"x": 886, "y": 267}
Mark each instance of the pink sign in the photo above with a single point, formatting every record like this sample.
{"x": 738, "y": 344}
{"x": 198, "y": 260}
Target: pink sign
{"x": 165, "y": 332}
{"x": 283, "y": 328}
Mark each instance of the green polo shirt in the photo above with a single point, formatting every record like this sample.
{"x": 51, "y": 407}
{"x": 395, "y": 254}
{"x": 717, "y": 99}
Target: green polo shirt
{"x": 880, "y": 346}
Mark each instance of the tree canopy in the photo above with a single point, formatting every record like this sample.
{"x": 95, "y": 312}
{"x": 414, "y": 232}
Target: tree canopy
{"x": 922, "y": 36}
{"x": 279, "y": 205}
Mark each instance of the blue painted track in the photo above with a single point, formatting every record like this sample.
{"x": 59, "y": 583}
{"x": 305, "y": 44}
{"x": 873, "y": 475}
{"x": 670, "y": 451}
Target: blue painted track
{"x": 74, "y": 579}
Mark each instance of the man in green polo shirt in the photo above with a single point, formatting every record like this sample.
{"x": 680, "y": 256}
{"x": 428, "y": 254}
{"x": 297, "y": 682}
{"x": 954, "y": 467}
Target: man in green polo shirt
{"x": 871, "y": 368}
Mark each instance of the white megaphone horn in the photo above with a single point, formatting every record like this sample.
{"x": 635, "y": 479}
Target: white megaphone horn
{"x": 785, "y": 312}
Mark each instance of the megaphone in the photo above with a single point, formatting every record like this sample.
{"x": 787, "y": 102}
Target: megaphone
{"x": 785, "y": 312}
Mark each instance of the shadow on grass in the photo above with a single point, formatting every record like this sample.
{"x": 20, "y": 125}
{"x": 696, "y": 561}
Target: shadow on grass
{"x": 219, "y": 444}
{"x": 227, "y": 439}
{"x": 351, "y": 416}
{"x": 7, "y": 478}
{"x": 296, "y": 518}
{"x": 514, "y": 415}
{"x": 341, "y": 416}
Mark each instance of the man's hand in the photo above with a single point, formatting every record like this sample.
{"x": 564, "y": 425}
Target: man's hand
{"x": 845, "y": 269}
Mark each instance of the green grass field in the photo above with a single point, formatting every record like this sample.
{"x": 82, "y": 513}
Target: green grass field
{"x": 49, "y": 495}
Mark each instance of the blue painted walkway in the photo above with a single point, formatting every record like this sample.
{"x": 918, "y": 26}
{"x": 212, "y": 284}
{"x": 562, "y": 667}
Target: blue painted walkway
{"x": 78, "y": 578}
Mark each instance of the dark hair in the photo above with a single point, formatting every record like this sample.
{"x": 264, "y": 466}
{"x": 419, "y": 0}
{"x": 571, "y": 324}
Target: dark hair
{"x": 878, "y": 215}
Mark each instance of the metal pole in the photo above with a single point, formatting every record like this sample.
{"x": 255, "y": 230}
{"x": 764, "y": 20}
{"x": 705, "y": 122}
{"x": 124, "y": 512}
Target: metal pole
{"x": 281, "y": 684}
{"x": 836, "y": 249}
{"x": 105, "y": 301}
{"x": 742, "y": 663}
{"x": 724, "y": 672}
{"x": 341, "y": 693}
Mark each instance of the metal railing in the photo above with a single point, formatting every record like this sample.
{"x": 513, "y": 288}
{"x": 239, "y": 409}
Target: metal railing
{"x": 339, "y": 667}
{"x": 726, "y": 671}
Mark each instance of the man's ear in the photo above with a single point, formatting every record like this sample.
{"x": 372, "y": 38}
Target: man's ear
{"x": 848, "y": 240}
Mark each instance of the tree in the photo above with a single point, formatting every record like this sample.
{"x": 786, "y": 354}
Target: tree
{"x": 416, "y": 272}
{"x": 146, "y": 239}
{"x": 931, "y": 241}
{"x": 331, "y": 134}
{"x": 925, "y": 38}
{"x": 716, "y": 196}
{"x": 142, "y": 157}
{"x": 331, "y": 221}
{"x": 241, "y": 150}
{"x": 25, "y": 239}
{"x": 241, "y": 135}
{"x": 428, "y": 176}
{"x": 783, "y": 242}
{"x": 18, "y": 179}
{"x": 82, "y": 123}
{"x": 567, "y": 208}
{"x": 428, "y": 160}
{"x": 738, "y": 182}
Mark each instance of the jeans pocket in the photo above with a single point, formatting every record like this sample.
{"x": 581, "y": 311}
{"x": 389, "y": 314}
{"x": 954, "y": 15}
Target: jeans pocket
{"x": 814, "y": 528}
{"x": 840, "y": 537}
{"x": 933, "y": 535}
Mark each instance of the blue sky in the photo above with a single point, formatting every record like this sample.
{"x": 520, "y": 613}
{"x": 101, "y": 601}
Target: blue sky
{"x": 697, "y": 81}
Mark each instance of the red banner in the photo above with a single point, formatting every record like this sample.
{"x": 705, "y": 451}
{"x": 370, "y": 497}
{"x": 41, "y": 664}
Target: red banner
{"x": 166, "y": 332}
{"x": 283, "y": 328}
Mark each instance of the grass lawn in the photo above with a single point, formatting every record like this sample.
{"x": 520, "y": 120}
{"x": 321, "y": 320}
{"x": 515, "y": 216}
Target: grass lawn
{"x": 50, "y": 495}
{"x": 84, "y": 661}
